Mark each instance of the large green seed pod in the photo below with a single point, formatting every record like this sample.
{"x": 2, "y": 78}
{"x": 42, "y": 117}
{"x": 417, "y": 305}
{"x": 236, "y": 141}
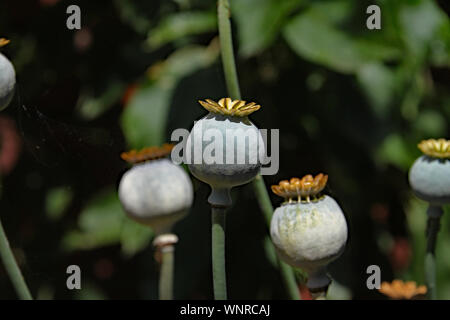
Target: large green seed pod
{"x": 156, "y": 192}
{"x": 309, "y": 231}
{"x": 7, "y": 81}
{"x": 225, "y": 148}
{"x": 429, "y": 176}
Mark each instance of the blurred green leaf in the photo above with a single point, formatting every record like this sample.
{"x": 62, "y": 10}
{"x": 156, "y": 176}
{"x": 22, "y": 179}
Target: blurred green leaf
{"x": 132, "y": 14}
{"x": 186, "y": 61}
{"x": 91, "y": 106}
{"x": 103, "y": 222}
{"x": 338, "y": 291}
{"x": 259, "y": 22}
{"x": 134, "y": 237}
{"x": 396, "y": 151}
{"x": 57, "y": 200}
{"x": 334, "y": 12}
{"x": 144, "y": 118}
{"x": 421, "y": 21}
{"x": 181, "y": 25}
{"x": 90, "y": 291}
{"x": 316, "y": 39}
{"x": 378, "y": 83}
{"x": 431, "y": 123}
{"x": 100, "y": 223}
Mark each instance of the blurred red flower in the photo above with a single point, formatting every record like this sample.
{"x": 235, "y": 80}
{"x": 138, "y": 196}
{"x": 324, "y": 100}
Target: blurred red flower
{"x": 48, "y": 3}
{"x": 400, "y": 254}
{"x": 379, "y": 213}
{"x": 10, "y": 145}
{"x": 304, "y": 292}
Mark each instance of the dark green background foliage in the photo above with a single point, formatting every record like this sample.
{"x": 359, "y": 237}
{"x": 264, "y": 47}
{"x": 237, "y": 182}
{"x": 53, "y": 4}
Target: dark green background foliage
{"x": 349, "y": 102}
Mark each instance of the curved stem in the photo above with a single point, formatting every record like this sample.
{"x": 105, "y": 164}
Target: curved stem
{"x": 259, "y": 187}
{"x": 166, "y": 273}
{"x": 12, "y": 268}
{"x": 218, "y": 253}
{"x": 433, "y": 224}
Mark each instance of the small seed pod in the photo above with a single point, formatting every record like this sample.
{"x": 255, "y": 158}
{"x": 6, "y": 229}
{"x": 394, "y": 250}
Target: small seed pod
{"x": 429, "y": 176}
{"x": 225, "y": 148}
{"x": 155, "y": 192}
{"x": 7, "y": 80}
{"x": 308, "y": 230}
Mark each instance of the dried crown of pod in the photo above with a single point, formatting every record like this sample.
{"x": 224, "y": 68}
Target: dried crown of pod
{"x": 398, "y": 289}
{"x": 429, "y": 176}
{"x": 155, "y": 191}
{"x": 308, "y": 230}
{"x": 226, "y": 118}
{"x": 305, "y": 188}
{"x": 229, "y": 107}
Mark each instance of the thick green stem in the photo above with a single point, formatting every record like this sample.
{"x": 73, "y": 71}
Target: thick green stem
{"x": 12, "y": 268}
{"x": 259, "y": 187}
{"x": 218, "y": 253}
{"x": 226, "y": 48}
{"x": 433, "y": 224}
{"x": 288, "y": 277}
{"x": 166, "y": 273}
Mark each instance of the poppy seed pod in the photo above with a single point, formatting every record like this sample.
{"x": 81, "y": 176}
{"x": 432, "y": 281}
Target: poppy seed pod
{"x": 225, "y": 148}
{"x": 7, "y": 81}
{"x": 155, "y": 192}
{"x": 308, "y": 230}
{"x": 429, "y": 176}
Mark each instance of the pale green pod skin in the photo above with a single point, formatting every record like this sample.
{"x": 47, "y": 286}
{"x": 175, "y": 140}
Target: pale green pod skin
{"x": 245, "y": 161}
{"x": 157, "y": 193}
{"x": 429, "y": 178}
{"x": 310, "y": 235}
{"x": 7, "y": 82}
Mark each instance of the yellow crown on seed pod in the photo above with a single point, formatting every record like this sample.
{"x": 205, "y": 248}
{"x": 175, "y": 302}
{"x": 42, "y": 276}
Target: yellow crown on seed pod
{"x": 439, "y": 148}
{"x": 398, "y": 289}
{"x": 229, "y": 107}
{"x": 147, "y": 154}
{"x": 306, "y": 187}
{"x": 4, "y": 42}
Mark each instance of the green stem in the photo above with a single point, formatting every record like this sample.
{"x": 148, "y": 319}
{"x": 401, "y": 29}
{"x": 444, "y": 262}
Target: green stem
{"x": 166, "y": 273}
{"x": 12, "y": 268}
{"x": 218, "y": 253}
{"x": 288, "y": 277}
{"x": 259, "y": 187}
{"x": 226, "y": 48}
{"x": 262, "y": 196}
{"x": 433, "y": 224}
